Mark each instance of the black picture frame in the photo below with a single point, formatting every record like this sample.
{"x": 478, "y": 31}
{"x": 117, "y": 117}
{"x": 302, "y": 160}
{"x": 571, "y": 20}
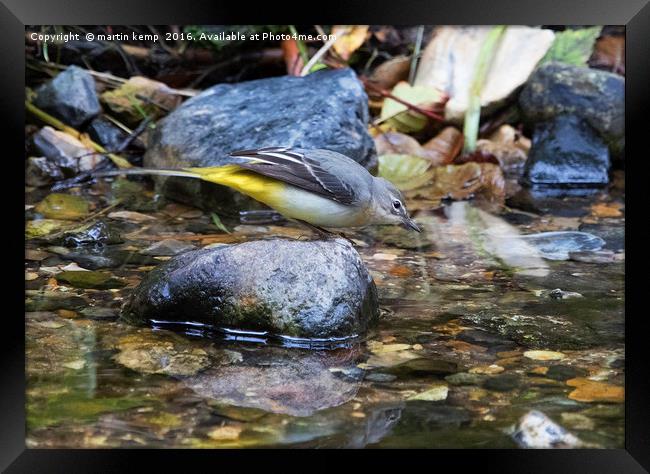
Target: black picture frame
{"x": 15, "y": 14}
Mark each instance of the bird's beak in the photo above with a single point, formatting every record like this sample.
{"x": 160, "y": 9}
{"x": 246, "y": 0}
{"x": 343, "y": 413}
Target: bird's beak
{"x": 408, "y": 223}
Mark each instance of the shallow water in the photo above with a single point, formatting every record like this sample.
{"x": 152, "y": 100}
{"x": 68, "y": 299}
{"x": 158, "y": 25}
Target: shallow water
{"x": 445, "y": 366}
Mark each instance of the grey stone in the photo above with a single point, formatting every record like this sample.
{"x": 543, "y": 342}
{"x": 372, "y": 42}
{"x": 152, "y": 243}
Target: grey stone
{"x": 502, "y": 383}
{"x": 599, "y": 256}
{"x": 96, "y": 233}
{"x": 557, "y": 245}
{"x": 70, "y": 97}
{"x": 597, "y": 97}
{"x": 41, "y": 171}
{"x": 326, "y": 109}
{"x": 315, "y": 289}
{"x": 106, "y": 134}
{"x": 566, "y": 151}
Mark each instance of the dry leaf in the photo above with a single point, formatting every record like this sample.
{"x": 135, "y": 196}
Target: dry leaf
{"x": 603, "y": 209}
{"x": 484, "y": 180}
{"x": 292, "y": 57}
{"x": 348, "y": 39}
{"x": 401, "y": 116}
{"x": 609, "y": 53}
{"x": 389, "y": 73}
{"x": 445, "y": 146}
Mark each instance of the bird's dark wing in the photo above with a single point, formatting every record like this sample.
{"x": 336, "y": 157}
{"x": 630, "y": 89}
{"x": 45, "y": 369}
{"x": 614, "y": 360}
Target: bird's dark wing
{"x": 298, "y": 169}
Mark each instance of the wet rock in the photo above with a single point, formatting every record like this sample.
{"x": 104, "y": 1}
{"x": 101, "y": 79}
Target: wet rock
{"x": 466, "y": 378}
{"x": 437, "y": 393}
{"x": 105, "y": 133}
{"x": 380, "y": 377}
{"x": 134, "y": 196}
{"x": 559, "y": 294}
{"x": 567, "y": 151}
{"x": 613, "y": 235}
{"x": 52, "y": 301}
{"x": 95, "y": 280}
{"x": 590, "y": 391}
{"x": 422, "y": 415}
{"x": 168, "y": 248}
{"x": 494, "y": 341}
{"x": 317, "y": 289}
{"x": 326, "y": 109}
{"x": 106, "y": 257}
{"x": 536, "y": 430}
{"x": 70, "y": 97}
{"x": 424, "y": 367}
{"x": 596, "y": 97}
{"x": 62, "y": 206}
{"x": 564, "y": 372}
{"x": 102, "y": 314}
{"x": 557, "y": 245}
{"x": 599, "y": 256}
{"x": 96, "y": 233}
{"x": 66, "y": 152}
{"x": 41, "y": 171}
{"x": 502, "y": 383}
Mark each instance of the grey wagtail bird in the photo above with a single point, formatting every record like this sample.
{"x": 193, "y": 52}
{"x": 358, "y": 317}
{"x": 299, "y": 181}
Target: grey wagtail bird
{"x": 320, "y": 188}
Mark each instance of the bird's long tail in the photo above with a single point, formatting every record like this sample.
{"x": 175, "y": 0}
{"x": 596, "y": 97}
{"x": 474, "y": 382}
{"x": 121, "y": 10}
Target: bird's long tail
{"x": 148, "y": 171}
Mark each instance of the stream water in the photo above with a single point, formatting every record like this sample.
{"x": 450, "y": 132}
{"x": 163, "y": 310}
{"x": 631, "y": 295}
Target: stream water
{"x": 471, "y": 338}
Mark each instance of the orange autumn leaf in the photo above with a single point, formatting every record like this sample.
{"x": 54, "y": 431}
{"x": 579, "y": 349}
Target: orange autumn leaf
{"x": 348, "y": 39}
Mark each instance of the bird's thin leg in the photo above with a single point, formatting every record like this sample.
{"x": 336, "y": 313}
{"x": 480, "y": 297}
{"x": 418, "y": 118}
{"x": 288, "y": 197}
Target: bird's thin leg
{"x": 324, "y": 233}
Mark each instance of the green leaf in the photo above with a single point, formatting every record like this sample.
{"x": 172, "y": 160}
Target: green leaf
{"x": 400, "y": 116}
{"x": 405, "y": 171}
{"x": 572, "y": 46}
{"x": 218, "y": 224}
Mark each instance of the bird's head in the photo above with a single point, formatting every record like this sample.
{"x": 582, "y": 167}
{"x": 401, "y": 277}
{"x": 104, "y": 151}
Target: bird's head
{"x": 389, "y": 207}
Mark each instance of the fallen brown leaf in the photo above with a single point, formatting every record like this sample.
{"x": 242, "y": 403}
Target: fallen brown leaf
{"x": 348, "y": 39}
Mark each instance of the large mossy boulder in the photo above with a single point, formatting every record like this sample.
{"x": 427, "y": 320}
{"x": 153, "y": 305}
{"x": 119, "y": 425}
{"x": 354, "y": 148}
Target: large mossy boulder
{"x": 304, "y": 289}
{"x": 326, "y": 109}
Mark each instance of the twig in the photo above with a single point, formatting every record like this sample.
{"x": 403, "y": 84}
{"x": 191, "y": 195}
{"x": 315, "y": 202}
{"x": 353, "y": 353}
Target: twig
{"x": 316, "y": 57}
{"x": 416, "y": 54}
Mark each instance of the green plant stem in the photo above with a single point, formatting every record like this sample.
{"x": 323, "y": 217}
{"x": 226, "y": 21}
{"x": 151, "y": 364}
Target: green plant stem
{"x": 483, "y": 62}
{"x": 56, "y": 123}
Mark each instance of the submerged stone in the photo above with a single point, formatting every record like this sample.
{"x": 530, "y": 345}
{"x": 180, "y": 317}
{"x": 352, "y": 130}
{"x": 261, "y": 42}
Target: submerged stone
{"x": 326, "y": 109}
{"x": 536, "y": 430}
{"x": 94, "y": 280}
{"x": 63, "y": 206}
{"x": 557, "y": 245}
{"x": 316, "y": 289}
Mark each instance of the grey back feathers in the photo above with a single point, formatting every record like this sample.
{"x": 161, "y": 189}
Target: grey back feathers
{"x": 323, "y": 172}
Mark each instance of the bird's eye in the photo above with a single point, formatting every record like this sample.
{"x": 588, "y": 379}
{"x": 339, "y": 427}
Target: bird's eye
{"x": 397, "y": 205}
